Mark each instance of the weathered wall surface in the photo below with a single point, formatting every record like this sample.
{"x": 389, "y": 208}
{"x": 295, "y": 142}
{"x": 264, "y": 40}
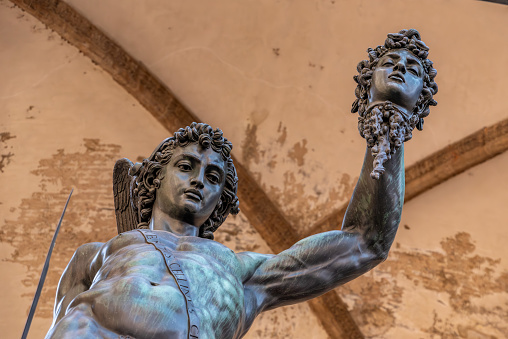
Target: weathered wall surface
{"x": 63, "y": 124}
{"x": 276, "y": 77}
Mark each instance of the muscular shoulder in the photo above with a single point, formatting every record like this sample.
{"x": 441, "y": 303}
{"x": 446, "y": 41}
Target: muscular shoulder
{"x": 78, "y": 270}
{"x": 250, "y": 262}
{"x": 84, "y": 256}
{"x": 89, "y": 249}
{"x": 86, "y": 252}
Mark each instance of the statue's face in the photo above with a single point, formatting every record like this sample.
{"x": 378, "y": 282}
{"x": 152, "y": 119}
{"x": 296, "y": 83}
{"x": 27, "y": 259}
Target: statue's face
{"x": 398, "y": 77}
{"x": 192, "y": 184}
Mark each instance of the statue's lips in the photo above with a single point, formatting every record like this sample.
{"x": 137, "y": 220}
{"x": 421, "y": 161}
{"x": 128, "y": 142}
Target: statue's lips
{"x": 397, "y": 76}
{"x": 194, "y": 194}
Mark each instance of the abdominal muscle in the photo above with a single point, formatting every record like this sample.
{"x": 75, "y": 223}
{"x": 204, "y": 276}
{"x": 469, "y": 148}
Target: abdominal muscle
{"x": 134, "y": 295}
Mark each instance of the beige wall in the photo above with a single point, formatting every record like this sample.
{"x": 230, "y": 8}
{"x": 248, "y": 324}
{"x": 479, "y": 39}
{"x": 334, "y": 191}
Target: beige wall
{"x": 276, "y": 77}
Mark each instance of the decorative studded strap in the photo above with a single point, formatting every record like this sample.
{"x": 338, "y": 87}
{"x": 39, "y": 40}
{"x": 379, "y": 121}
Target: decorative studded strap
{"x": 177, "y": 271}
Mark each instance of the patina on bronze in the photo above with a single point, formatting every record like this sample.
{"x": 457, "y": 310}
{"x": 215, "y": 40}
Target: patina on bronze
{"x": 163, "y": 276}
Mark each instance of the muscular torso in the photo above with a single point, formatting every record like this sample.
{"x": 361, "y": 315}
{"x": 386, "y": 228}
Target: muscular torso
{"x": 132, "y": 292}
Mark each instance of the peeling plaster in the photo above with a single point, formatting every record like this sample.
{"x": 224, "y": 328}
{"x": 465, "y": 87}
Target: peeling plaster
{"x": 286, "y": 323}
{"x": 453, "y": 293}
{"x": 237, "y": 234}
{"x": 303, "y": 197}
{"x": 303, "y": 209}
{"x": 297, "y": 153}
{"x": 250, "y": 151}
{"x": 5, "y": 154}
{"x": 90, "y": 216}
{"x": 282, "y": 130}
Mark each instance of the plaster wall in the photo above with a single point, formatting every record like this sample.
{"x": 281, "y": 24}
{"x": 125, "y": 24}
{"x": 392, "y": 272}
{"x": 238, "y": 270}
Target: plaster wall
{"x": 63, "y": 124}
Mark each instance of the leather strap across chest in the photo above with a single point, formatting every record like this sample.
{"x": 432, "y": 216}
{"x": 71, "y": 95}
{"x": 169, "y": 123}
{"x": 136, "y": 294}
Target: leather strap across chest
{"x": 177, "y": 272}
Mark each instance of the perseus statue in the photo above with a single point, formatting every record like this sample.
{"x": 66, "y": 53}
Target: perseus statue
{"x": 164, "y": 276}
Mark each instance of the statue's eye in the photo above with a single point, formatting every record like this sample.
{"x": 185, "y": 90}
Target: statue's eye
{"x": 413, "y": 71}
{"x": 388, "y": 63}
{"x": 213, "y": 178}
{"x": 184, "y": 166}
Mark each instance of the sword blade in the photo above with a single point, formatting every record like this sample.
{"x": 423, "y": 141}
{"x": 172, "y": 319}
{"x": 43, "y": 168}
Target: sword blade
{"x": 43, "y": 274}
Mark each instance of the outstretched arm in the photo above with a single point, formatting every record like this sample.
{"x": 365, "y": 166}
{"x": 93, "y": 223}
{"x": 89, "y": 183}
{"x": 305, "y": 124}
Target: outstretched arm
{"x": 75, "y": 279}
{"x": 323, "y": 261}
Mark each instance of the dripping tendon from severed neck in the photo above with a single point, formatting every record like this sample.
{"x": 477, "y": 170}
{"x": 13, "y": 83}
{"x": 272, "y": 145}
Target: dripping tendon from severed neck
{"x": 385, "y": 126}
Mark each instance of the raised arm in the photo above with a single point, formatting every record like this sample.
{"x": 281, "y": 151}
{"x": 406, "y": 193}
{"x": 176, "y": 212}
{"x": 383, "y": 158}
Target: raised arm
{"x": 323, "y": 261}
{"x": 75, "y": 279}
{"x": 376, "y": 205}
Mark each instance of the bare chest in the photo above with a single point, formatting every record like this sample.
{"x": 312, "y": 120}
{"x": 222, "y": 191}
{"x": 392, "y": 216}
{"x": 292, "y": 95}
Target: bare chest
{"x": 174, "y": 273}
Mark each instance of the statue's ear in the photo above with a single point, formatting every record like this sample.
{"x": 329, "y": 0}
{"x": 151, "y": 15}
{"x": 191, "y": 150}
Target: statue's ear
{"x": 157, "y": 183}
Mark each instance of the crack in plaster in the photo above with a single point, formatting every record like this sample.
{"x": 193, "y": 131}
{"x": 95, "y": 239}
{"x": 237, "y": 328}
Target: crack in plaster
{"x": 43, "y": 78}
{"x": 241, "y": 72}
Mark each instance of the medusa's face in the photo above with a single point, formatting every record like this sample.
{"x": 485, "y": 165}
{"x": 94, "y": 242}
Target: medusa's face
{"x": 398, "y": 77}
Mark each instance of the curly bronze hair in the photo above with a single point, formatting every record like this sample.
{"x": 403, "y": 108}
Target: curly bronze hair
{"x": 406, "y": 39}
{"x": 148, "y": 175}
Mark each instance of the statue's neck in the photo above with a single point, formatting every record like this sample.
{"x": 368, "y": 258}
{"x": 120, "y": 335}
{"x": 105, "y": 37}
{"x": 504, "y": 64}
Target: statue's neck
{"x": 163, "y": 222}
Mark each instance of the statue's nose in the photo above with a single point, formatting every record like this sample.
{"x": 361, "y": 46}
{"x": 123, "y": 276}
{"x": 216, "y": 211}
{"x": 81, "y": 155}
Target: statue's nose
{"x": 399, "y": 66}
{"x": 197, "y": 182}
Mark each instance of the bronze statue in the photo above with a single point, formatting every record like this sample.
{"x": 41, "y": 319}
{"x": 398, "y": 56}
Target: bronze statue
{"x": 163, "y": 276}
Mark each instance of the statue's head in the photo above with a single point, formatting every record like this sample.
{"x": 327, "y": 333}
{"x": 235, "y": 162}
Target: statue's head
{"x": 216, "y": 183}
{"x": 399, "y": 72}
